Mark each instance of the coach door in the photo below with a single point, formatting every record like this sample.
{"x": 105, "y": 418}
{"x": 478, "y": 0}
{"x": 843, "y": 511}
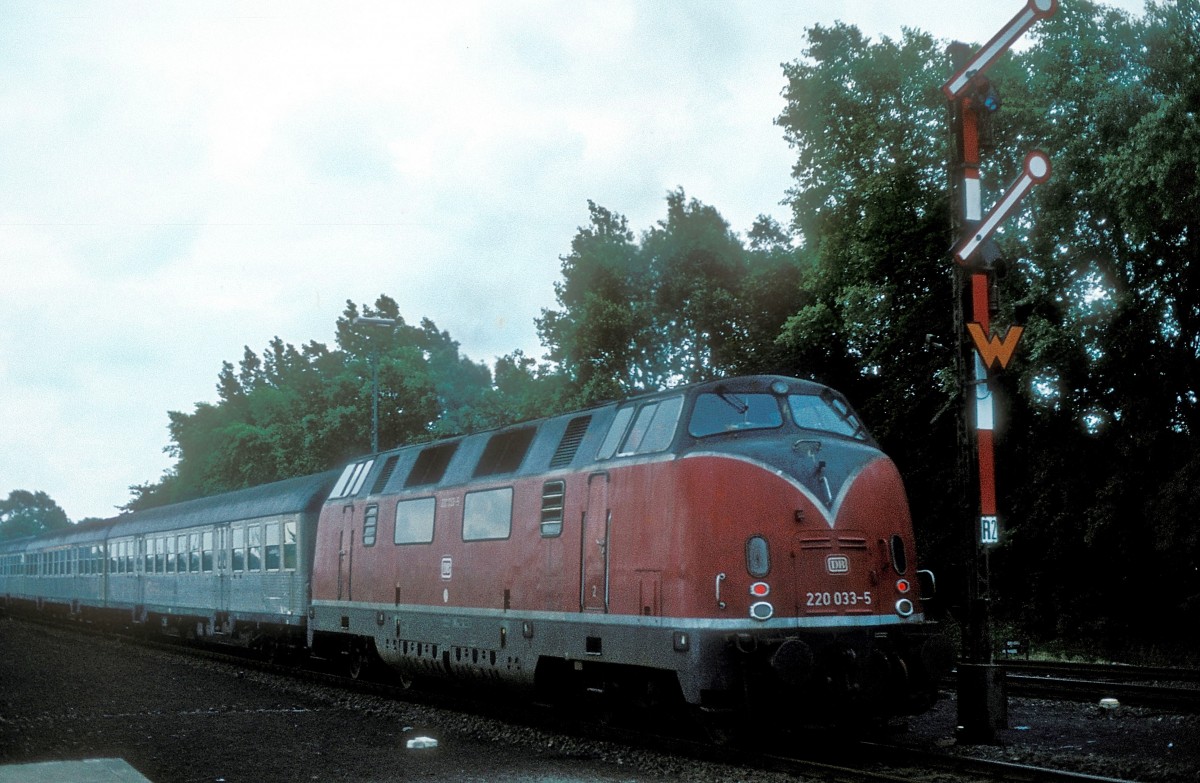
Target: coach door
{"x": 346, "y": 555}
{"x": 222, "y": 566}
{"x": 593, "y": 591}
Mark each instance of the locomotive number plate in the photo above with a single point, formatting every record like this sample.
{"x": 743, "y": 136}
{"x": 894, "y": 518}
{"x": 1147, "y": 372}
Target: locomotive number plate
{"x": 838, "y": 598}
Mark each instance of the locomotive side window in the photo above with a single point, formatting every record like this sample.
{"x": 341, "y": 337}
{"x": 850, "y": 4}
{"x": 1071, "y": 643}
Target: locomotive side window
{"x": 552, "y": 508}
{"x": 487, "y": 515}
{"x": 352, "y": 479}
{"x": 370, "y": 524}
{"x": 654, "y": 427}
{"x": 825, "y": 412}
{"x": 616, "y": 431}
{"x": 652, "y": 430}
{"x": 414, "y": 521}
{"x": 728, "y": 412}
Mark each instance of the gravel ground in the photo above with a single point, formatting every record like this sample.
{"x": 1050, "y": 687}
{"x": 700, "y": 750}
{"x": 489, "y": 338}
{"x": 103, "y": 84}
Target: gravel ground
{"x": 64, "y": 696}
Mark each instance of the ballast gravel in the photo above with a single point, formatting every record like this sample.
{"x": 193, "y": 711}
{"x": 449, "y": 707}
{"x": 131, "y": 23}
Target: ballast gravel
{"x": 68, "y": 696}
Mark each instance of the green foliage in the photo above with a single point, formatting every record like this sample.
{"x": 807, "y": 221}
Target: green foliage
{"x": 687, "y": 302}
{"x": 291, "y": 412}
{"x": 1099, "y": 409}
{"x": 25, "y": 513}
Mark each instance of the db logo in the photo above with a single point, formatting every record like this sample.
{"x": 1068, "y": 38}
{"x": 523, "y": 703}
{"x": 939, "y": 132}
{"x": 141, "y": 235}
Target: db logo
{"x": 837, "y": 564}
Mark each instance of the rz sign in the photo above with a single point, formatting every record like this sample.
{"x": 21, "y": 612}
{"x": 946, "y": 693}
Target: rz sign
{"x": 837, "y": 564}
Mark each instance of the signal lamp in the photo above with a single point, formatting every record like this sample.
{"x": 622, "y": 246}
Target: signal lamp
{"x": 904, "y": 607}
{"x": 760, "y": 589}
{"x": 902, "y": 586}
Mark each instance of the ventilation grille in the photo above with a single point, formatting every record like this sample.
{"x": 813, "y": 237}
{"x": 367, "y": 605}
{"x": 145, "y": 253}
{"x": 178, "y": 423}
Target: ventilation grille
{"x": 570, "y": 442}
{"x": 385, "y": 473}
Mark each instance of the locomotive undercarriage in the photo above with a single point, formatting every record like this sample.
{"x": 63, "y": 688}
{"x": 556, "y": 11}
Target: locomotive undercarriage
{"x": 827, "y": 676}
{"x": 832, "y": 677}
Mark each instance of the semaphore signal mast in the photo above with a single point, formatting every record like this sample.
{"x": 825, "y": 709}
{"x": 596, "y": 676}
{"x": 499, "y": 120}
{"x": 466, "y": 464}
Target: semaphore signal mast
{"x": 982, "y": 700}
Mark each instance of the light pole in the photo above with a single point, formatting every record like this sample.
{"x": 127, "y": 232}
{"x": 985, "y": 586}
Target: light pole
{"x": 387, "y": 323}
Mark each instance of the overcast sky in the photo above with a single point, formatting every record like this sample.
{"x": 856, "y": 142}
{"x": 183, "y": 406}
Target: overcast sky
{"x": 182, "y": 179}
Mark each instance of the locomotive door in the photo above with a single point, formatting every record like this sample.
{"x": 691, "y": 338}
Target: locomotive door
{"x": 346, "y": 555}
{"x": 597, "y": 518}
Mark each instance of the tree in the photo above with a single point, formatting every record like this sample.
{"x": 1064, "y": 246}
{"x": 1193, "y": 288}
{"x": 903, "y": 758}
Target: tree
{"x": 289, "y": 412}
{"x": 25, "y": 513}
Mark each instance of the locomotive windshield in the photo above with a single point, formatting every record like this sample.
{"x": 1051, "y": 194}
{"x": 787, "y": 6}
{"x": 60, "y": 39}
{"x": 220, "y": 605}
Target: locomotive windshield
{"x": 826, "y": 412}
{"x": 726, "y": 412}
{"x": 731, "y": 412}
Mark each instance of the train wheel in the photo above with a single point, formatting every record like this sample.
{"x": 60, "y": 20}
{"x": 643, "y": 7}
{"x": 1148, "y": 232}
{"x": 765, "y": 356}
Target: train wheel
{"x": 361, "y": 658}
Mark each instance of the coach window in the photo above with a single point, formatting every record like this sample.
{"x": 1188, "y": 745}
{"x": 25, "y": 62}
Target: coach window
{"x": 194, "y": 552}
{"x": 206, "y": 551}
{"x": 414, "y": 521}
{"x": 254, "y": 548}
{"x": 552, "y": 508}
{"x": 487, "y": 515}
{"x": 239, "y": 548}
{"x": 370, "y": 523}
{"x": 289, "y": 546}
{"x": 271, "y": 536}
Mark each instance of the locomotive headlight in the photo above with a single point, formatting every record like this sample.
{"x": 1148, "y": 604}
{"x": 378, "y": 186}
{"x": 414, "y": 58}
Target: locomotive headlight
{"x": 762, "y": 610}
{"x": 760, "y": 589}
{"x": 903, "y": 586}
{"x": 904, "y": 607}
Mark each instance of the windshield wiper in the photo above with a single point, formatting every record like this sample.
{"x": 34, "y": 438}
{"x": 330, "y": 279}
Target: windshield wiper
{"x": 733, "y": 402}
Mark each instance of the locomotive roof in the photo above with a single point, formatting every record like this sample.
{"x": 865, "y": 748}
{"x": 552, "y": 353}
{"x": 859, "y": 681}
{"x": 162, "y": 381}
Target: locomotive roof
{"x": 466, "y": 459}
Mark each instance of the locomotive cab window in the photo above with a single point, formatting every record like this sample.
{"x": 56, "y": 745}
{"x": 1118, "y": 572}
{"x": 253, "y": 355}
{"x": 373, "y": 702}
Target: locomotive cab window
{"x": 826, "y": 412}
{"x": 652, "y": 430}
{"x": 731, "y": 412}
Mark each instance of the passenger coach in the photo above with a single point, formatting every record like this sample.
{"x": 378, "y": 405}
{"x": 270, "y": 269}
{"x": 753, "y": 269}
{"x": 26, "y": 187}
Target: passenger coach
{"x": 234, "y": 565}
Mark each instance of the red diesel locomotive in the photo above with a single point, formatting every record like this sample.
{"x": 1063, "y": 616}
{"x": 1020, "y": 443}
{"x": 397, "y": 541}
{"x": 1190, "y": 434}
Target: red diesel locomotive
{"x": 739, "y": 543}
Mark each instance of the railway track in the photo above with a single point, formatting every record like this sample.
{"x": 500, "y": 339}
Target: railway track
{"x": 1129, "y": 685}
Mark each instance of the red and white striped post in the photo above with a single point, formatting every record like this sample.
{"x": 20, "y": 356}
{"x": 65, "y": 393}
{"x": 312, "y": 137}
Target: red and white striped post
{"x": 982, "y": 700}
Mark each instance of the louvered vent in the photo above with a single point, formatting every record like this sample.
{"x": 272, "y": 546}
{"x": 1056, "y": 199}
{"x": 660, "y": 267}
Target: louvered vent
{"x": 570, "y": 442}
{"x": 385, "y": 473}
